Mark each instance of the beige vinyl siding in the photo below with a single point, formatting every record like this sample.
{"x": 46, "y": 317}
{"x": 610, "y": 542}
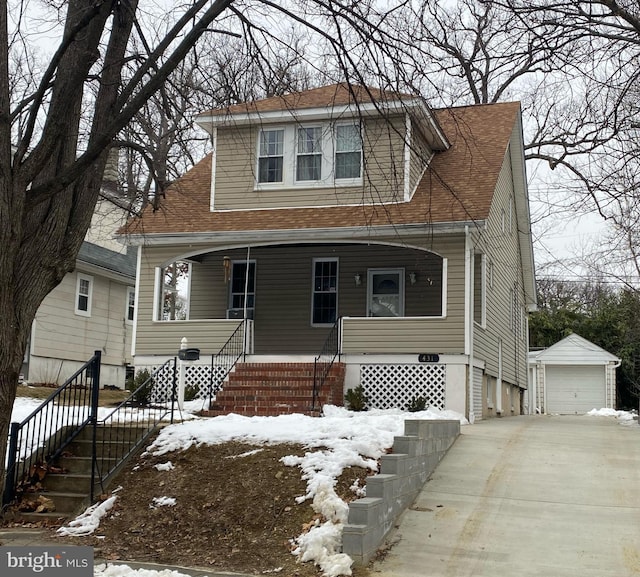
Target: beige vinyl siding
{"x": 61, "y": 334}
{"x": 384, "y": 154}
{"x": 284, "y": 293}
{"x": 404, "y": 335}
{"x": 420, "y": 155}
{"x": 164, "y": 338}
{"x": 502, "y": 250}
{"x": 236, "y": 162}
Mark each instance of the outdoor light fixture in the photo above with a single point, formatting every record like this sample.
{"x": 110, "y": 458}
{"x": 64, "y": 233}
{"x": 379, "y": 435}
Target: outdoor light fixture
{"x": 413, "y": 277}
{"x": 357, "y": 279}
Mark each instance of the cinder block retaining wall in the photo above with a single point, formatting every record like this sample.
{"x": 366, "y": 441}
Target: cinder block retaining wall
{"x": 403, "y": 473}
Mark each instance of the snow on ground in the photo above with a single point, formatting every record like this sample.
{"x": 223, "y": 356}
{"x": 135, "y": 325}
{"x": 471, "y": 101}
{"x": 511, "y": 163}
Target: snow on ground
{"x": 339, "y": 440}
{"x": 24, "y": 406}
{"x": 625, "y": 417}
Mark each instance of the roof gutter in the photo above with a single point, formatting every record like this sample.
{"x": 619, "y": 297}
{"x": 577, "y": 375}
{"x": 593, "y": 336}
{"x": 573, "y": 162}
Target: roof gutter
{"x": 306, "y": 234}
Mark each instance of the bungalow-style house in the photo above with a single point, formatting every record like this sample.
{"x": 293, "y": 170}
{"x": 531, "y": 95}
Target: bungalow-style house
{"x": 91, "y": 309}
{"x": 351, "y": 220}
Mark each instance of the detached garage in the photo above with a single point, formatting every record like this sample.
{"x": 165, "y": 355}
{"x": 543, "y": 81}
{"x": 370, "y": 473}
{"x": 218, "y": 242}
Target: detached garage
{"x": 572, "y": 377}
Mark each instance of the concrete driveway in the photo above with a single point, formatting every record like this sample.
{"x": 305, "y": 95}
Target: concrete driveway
{"x": 527, "y": 496}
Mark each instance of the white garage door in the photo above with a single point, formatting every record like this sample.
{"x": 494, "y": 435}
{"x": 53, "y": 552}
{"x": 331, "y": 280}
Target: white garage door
{"x": 574, "y": 389}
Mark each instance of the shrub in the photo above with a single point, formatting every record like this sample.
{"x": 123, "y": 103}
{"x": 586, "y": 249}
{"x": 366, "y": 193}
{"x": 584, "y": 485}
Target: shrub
{"x": 190, "y": 392}
{"x": 141, "y": 393}
{"x": 356, "y": 399}
{"x": 417, "y": 404}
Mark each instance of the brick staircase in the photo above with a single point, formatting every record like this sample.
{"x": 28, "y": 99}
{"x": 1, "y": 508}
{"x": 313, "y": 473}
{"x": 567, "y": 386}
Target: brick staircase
{"x": 271, "y": 389}
{"x": 67, "y": 485}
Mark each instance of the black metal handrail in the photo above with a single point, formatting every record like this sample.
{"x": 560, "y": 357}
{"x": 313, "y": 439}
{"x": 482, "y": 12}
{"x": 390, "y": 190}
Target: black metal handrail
{"x": 324, "y": 361}
{"x": 130, "y": 424}
{"x": 40, "y": 438}
{"x": 223, "y": 362}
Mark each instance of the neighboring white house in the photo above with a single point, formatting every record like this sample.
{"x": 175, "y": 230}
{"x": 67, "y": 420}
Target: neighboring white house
{"x": 572, "y": 376}
{"x": 91, "y": 309}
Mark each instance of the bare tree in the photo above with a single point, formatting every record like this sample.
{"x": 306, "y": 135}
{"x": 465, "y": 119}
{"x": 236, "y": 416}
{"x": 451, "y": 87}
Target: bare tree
{"x": 58, "y": 124}
{"x": 162, "y": 142}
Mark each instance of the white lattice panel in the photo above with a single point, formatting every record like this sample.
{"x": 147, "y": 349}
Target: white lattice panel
{"x": 196, "y": 376}
{"x": 395, "y": 386}
{"x": 162, "y": 383}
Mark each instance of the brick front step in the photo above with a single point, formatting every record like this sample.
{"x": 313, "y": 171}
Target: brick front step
{"x": 272, "y": 389}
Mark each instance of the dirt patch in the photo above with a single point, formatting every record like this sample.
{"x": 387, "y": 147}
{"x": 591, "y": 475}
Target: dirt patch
{"x": 235, "y": 510}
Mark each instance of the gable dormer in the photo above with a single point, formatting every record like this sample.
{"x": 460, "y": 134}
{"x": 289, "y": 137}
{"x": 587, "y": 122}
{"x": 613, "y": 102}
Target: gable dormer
{"x": 331, "y": 146}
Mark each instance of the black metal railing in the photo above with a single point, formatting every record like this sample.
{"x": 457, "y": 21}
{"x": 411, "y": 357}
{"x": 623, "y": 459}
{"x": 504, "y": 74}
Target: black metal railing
{"x": 130, "y": 424}
{"x": 40, "y": 438}
{"x": 223, "y": 362}
{"x": 324, "y": 361}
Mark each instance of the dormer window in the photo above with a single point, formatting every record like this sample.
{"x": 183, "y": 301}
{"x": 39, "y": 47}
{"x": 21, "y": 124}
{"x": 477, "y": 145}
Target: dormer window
{"x": 315, "y": 155}
{"x": 271, "y": 159}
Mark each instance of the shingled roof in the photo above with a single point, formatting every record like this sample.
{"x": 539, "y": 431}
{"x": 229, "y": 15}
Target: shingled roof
{"x": 341, "y": 94}
{"x": 457, "y": 187}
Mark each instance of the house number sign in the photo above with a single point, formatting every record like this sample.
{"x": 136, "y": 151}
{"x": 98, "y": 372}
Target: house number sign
{"x": 428, "y": 358}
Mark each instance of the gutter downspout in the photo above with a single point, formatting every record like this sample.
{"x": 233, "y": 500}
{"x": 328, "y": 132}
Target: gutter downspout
{"x": 468, "y": 320}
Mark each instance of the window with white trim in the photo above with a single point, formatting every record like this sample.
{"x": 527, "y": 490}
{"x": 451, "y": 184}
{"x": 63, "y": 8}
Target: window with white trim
{"x": 131, "y": 304}
{"x": 309, "y": 154}
{"x": 318, "y": 154}
{"x": 242, "y": 285}
{"x": 324, "y": 305}
{"x": 84, "y": 294}
{"x": 385, "y": 292}
{"x": 271, "y": 156}
{"x": 172, "y": 293}
{"x": 348, "y": 162}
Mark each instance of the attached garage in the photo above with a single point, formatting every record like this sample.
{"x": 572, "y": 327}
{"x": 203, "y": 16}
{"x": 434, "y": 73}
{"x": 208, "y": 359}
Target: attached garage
{"x": 571, "y": 377}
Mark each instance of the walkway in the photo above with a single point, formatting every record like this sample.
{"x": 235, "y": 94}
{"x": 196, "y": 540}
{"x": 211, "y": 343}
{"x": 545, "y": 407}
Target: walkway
{"x": 527, "y": 496}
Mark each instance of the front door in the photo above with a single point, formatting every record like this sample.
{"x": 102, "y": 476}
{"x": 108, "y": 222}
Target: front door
{"x": 385, "y": 293}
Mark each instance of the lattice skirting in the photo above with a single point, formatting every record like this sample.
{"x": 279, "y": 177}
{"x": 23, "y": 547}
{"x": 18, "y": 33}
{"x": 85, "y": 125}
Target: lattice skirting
{"x": 200, "y": 381}
{"x": 395, "y": 386}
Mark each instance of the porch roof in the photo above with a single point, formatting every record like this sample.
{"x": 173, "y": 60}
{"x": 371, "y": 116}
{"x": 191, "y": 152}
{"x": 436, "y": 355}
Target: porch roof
{"x": 457, "y": 187}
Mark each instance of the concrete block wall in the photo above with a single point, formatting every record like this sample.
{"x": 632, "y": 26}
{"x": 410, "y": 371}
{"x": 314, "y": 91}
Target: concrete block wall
{"x": 403, "y": 473}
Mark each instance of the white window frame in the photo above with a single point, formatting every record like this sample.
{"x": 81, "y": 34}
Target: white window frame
{"x": 251, "y": 290}
{"x": 89, "y": 294}
{"x": 308, "y": 154}
{"x": 401, "y": 289}
{"x": 262, "y": 156}
{"x": 130, "y": 307}
{"x": 314, "y": 291}
{"x": 290, "y": 157}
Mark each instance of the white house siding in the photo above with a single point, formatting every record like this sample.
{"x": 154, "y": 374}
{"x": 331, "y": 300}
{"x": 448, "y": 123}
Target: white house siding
{"x": 235, "y": 166}
{"x": 501, "y": 248}
{"x": 62, "y": 341}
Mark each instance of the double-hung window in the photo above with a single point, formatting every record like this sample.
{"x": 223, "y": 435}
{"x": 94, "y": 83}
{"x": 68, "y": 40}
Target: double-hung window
{"x": 314, "y": 155}
{"x": 348, "y": 161}
{"x": 243, "y": 284}
{"x": 309, "y": 154}
{"x": 325, "y": 291}
{"x": 131, "y": 304}
{"x": 271, "y": 156}
{"x": 84, "y": 292}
